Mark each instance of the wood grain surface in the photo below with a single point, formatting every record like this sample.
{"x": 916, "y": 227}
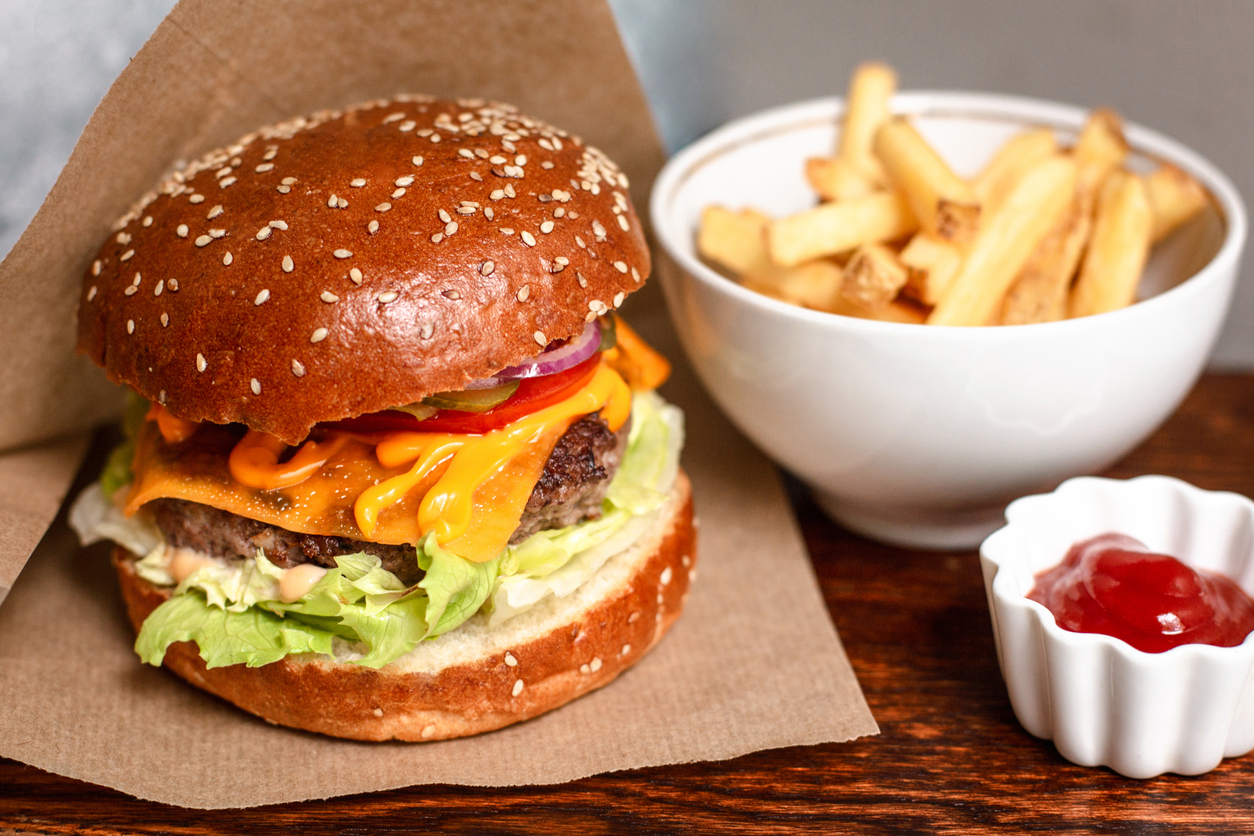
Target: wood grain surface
{"x": 951, "y": 757}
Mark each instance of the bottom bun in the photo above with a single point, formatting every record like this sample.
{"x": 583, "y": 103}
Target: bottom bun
{"x": 475, "y": 678}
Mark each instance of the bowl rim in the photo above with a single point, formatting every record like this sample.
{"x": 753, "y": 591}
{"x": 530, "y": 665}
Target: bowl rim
{"x": 1031, "y": 111}
{"x": 999, "y": 550}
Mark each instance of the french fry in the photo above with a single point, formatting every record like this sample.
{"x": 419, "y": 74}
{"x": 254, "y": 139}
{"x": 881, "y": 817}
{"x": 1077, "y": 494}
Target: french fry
{"x": 839, "y": 226}
{"x": 1174, "y": 197}
{"x": 1005, "y": 242}
{"x": 836, "y": 178}
{"x": 815, "y": 284}
{"x": 873, "y": 276}
{"x": 1039, "y": 293}
{"x": 1009, "y": 164}
{"x": 1101, "y": 143}
{"x": 733, "y": 240}
{"x": 943, "y": 202}
{"x": 866, "y": 108}
{"x": 932, "y": 264}
{"x": 1117, "y": 251}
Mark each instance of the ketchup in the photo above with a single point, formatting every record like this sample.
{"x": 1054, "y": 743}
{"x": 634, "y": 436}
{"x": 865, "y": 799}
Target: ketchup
{"x": 1113, "y": 584}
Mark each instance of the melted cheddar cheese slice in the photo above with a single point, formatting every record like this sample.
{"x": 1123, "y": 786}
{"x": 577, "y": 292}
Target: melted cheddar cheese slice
{"x": 470, "y": 490}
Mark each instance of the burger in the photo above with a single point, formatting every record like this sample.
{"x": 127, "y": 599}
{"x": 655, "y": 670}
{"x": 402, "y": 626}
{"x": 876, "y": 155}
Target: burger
{"x": 394, "y": 467}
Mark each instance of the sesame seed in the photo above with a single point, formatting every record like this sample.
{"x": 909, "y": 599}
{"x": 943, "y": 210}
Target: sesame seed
{"x": 476, "y": 176}
{"x": 635, "y": 274}
{"x": 123, "y": 238}
{"x": 201, "y": 363}
{"x": 263, "y": 233}
{"x": 279, "y": 225}
{"x": 505, "y": 230}
{"x": 130, "y": 326}
{"x": 618, "y": 299}
{"x": 595, "y": 665}
{"x": 406, "y": 127}
{"x": 222, "y": 172}
{"x": 497, "y": 159}
{"x": 91, "y": 294}
{"x": 298, "y": 369}
{"x": 196, "y": 198}
{"x": 620, "y": 266}
{"x": 451, "y": 294}
{"x": 488, "y": 213}
{"x": 518, "y": 686}
{"x": 407, "y": 180}
{"x": 510, "y": 660}
{"x": 626, "y": 649}
{"x": 465, "y": 210}
{"x": 255, "y": 385}
{"x": 263, "y": 168}
{"x": 437, "y": 238}
{"x": 173, "y": 284}
{"x": 147, "y": 220}
{"x": 580, "y": 243}
{"x": 287, "y": 181}
{"x": 528, "y": 238}
{"x": 332, "y": 201}
{"x": 156, "y": 291}
{"x": 96, "y": 267}
{"x": 591, "y": 315}
{"x": 425, "y": 330}
{"x": 215, "y": 211}
{"x": 546, "y": 165}
{"x": 282, "y": 189}
{"x": 562, "y": 260}
{"x": 318, "y": 335}
{"x": 126, "y": 256}
{"x": 622, "y": 222}
{"x": 388, "y": 296}
{"x": 523, "y": 293}
{"x": 262, "y": 296}
{"x": 341, "y": 203}
{"x": 450, "y": 227}
{"x": 130, "y": 291}
{"x": 271, "y": 153}
{"x": 444, "y": 216}
{"x": 203, "y": 240}
{"x": 222, "y": 184}
{"x": 540, "y": 338}
{"x": 372, "y": 227}
{"x": 227, "y": 259}
{"x": 582, "y": 281}
{"x": 357, "y": 182}
{"x": 416, "y": 160}
{"x": 383, "y": 207}
{"x": 137, "y": 280}
{"x": 486, "y": 268}
{"x": 355, "y": 275}
{"x": 585, "y": 669}
{"x": 466, "y": 152}
{"x": 497, "y": 194}
{"x": 217, "y": 233}
{"x": 435, "y": 137}
{"x": 329, "y": 297}
{"x": 509, "y": 190}
{"x": 427, "y": 731}
{"x": 393, "y": 117}
{"x": 521, "y": 159}
{"x": 546, "y": 227}
{"x": 165, "y": 319}
{"x": 665, "y": 577}
{"x": 288, "y": 265}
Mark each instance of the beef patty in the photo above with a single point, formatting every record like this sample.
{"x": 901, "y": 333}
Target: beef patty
{"x": 575, "y": 480}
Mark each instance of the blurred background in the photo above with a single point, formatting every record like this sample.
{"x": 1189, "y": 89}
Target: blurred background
{"x": 1180, "y": 67}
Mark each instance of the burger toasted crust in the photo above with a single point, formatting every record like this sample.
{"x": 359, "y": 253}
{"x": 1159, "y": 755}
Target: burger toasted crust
{"x": 475, "y": 679}
{"x": 352, "y": 261}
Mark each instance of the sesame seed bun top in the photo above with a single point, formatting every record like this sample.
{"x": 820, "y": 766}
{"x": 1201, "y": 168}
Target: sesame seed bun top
{"x": 351, "y": 261}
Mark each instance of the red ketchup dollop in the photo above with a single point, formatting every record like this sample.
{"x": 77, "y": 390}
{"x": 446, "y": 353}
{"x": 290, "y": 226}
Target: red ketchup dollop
{"x": 1113, "y": 584}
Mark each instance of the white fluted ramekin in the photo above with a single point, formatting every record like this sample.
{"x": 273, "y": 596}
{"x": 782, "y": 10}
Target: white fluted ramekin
{"x": 1100, "y": 700}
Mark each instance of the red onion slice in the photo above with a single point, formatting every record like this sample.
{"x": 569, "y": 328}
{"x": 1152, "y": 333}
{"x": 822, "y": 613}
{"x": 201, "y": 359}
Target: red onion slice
{"x": 557, "y": 357}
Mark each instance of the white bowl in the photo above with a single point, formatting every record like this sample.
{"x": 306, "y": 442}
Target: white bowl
{"x": 1100, "y": 700}
{"x": 919, "y": 435}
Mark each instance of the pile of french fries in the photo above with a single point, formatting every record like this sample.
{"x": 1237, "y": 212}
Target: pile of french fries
{"x": 1043, "y": 233}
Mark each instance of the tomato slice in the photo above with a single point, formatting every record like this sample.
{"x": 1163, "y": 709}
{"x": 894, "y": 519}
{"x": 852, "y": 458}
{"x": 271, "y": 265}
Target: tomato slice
{"x": 534, "y": 394}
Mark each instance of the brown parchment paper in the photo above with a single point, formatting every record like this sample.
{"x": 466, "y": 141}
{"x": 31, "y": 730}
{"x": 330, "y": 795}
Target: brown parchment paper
{"x": 754, "y": 663}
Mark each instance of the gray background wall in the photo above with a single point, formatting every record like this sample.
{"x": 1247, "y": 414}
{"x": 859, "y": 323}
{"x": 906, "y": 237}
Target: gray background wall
{"x": 1180, "y": 66}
